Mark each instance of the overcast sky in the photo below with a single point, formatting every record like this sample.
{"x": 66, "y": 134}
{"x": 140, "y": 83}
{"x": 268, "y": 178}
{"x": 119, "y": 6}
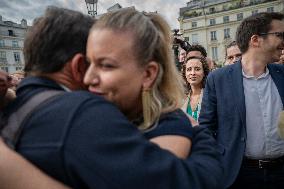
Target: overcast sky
{"x": 15, "y": 10}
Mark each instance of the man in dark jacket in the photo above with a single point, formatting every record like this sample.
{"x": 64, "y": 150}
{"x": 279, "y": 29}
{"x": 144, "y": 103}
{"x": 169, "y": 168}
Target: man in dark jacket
{"x": 81, "y": 139}
{"x": 241, "y": 104}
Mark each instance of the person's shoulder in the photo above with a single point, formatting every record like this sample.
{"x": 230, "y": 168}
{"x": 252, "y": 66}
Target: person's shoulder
{"x": 277, "y": 67}
{"x": 222, "y": 74}
{"x": 222, "y": 70}
{"x": 88, "y": 110}
{"x": 175, "y": 116}
{"x": 83, "y": 100}
{"x": 82, "y": 96}
{"x": 219, "y": 73}
{"x": 172, "y": 123}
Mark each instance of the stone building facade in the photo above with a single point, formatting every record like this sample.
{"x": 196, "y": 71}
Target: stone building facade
{"x": 213, "y": 23}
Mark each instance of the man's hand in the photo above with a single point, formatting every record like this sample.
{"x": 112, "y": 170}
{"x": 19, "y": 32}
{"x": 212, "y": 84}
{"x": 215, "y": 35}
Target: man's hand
{"x": 6, "y": 94}
{"x": 281, "y": 61}
{"x": 4, "y": 83}
{"x": 192, "y": 120}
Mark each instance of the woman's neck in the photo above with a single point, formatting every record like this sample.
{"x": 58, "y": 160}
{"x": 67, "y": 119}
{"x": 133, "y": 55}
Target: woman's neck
{"x": 195, "y": 90}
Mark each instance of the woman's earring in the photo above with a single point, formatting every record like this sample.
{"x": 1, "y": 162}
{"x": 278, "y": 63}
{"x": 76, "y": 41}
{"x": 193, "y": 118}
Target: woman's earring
{"x": 146, "y": 103}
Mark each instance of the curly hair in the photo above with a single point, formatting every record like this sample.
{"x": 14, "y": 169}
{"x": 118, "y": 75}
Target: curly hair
{"x": 205, "y": 68}
{"x": 199, "y": 48}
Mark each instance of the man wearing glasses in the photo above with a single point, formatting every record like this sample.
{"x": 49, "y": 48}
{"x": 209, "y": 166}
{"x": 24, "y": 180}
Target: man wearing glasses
{"x": 241, "y": 104}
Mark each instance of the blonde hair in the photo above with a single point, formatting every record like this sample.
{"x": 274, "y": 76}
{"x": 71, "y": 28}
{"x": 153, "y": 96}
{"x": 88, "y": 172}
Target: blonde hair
{"x": 152, "y": 42}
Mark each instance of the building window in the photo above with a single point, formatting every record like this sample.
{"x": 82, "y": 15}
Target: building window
{"x": 270, "y": 9}
{"x": 19, "y": 68}
{"x": 214, "y": 53}
{"x": 212, "y": 22}
{"x": 3, "y": 57}
{"x": 4, "y": 68}
{"x": 211, "y": 10}
{"x": 226, "y": 33}
{"x": 254, "y": 12}
{"x": 194, "y": 38}
{"x": 15, "y": 44}
{"x": 240, "y": 16}
{"x": 226, "y": 19}
{"x": 213, "y": 35}
{"x": 17, "y": 57}
{"x": 194, "y": 24}
{"x": 11, "y": 33}
{"x": 2, "y": 43}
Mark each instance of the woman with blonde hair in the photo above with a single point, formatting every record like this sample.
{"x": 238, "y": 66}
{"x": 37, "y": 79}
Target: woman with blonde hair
{"x": 132, "y": 65}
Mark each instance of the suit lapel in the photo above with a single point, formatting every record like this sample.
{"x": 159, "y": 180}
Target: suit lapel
{"x": 237, "y": 89}
{"x": 278, "y": 78}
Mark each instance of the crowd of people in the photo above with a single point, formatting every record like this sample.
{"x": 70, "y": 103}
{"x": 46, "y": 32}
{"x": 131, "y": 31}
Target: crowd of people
{"x": 117, "y": 113}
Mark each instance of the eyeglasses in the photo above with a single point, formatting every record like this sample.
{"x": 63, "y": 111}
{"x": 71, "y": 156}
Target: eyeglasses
{"x": 278, "y": 34}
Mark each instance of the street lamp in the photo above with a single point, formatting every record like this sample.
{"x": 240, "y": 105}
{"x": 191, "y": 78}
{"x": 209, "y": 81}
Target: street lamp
{"x": 92, "y": 7}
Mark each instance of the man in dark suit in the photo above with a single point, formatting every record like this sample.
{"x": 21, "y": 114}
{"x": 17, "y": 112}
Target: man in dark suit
{"x": 241, "y": 104}
{"x": 81, "y": 139}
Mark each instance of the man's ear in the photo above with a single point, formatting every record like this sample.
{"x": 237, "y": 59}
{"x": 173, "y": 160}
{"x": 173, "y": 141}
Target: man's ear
{"x": 78, "y": 67}
{"x": 255, "y": 41}
{"x": 150, "y": 74}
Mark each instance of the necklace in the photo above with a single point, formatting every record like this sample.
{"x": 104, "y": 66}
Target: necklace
{"x": 194, "y": 100}
{"x": 195, "y": 103}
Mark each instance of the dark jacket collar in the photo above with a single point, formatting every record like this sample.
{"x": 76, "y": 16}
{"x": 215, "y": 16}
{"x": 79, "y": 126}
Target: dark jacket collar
{"x": 237, "y": 88}
{"x": 37, "y": 82}
{"x": 29, "y": 87}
